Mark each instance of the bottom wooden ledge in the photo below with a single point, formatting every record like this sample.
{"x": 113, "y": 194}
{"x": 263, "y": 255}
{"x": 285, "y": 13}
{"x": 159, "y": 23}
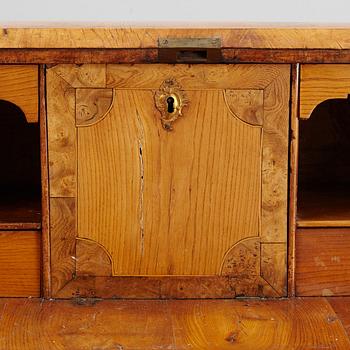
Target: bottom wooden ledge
{"x": 308, "y": 323}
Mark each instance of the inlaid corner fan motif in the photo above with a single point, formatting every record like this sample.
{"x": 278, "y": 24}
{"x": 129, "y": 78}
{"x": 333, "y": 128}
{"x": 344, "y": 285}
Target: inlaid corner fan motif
{"x": 138, "y": 211}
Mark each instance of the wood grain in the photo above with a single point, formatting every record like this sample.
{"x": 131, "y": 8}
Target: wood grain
{"x": 243, "y": 259}
{"x": 141, "y": 220}
{"x": 45, "y": 199}
{"x": 20, "y": 264}
{"x": 247, "y": 105}
{"x": 92, "y": 259}
{"x": 341, "y": 306}
{"x": 239, "y": 37}
{"x": 82, "y": 76}
{"x": 293, "y": 175}
{"x": 63, "y": 234}
{"x": 61, "y": 136}
{"x": 191, "y": 77}
{"x": 273, "y": 266}
{"x": 147, "y": 195}
{"x": 92, "y": 105}
{"x": 275, "y": 158}
{"x": 20, "y": 86}
{"x": 322, "y": 262}
{"x": 243, "y": 325}
{"x": 322, "y": 82}
{"x": 178, "y": 325}
{"x": 151, "y": 55}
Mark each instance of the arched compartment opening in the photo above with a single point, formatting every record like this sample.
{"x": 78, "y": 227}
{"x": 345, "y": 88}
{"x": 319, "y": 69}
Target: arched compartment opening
{"x": 324, "y": 166}
{"x": 20, "y": 189}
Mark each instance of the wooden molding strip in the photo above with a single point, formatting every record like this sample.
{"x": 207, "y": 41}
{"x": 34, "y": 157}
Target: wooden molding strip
{"x": 150, "y": 55}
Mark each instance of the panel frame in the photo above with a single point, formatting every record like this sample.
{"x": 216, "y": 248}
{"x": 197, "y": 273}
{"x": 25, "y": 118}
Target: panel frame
{"x": 66, "y": 79}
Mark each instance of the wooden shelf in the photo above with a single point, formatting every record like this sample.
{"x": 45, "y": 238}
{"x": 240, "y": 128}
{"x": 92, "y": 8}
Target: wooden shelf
{"x": 20, "y": 214}
{"x": 320, "y": 208}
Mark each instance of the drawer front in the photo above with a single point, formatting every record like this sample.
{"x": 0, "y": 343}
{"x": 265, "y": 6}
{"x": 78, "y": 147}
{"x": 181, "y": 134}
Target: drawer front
{"x": 20, "y": 263}
{"x": 322, "y": 261}
{"x": 168, "y": 193}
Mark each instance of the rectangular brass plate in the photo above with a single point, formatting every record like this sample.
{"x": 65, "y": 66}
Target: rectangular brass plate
{"x": 206, "y": 43}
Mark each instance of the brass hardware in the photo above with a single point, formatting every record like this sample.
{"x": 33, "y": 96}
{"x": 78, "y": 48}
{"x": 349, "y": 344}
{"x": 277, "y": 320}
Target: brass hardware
{"x": 189, "y": 43}
{"x": 189, "y": 50}
{"x": 170, "y": 100}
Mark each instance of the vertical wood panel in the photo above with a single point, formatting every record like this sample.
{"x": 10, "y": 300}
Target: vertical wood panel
{"x": 275, "y": 158}
{"x": 293, "y": 176}
{"x": 45, "y": 200}
{"x": 63, "y": 234}
{"x": 61, "y": 136}
{"x": 174, "y": 202}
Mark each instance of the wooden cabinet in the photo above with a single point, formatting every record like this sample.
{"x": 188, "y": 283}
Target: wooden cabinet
{"x": 191, "y": 205}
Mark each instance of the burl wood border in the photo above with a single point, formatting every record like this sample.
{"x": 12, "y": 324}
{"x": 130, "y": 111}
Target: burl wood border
{"x": 255, "y": 266}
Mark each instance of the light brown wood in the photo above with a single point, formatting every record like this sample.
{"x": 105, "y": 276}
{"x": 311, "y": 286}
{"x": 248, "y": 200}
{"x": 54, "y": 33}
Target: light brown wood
{"x": 341, "y": 306}
{"x": 92, "y": 105}
{"x": 45, "y": 199}
{"x": 142, "y": 218}
{"x": 247, "y": 105}
{"x": 274, "y": 172}
{"x": 20, "y": 86}
{"x": 324, "y": 208}
{"x": 239, "y": 36}
{"x": 319, "y": 83}
{"x": 191, "y": 77}
{"x": 322, "y": 262}
{"x": 178, "y": 325}
{"x": 82, "y": 76}
{"x": 272, "y": 255}
{"x": 293, "y": 175}
{"x": 20, "y": 264}
{"x": 92, "y": 259}
{"x": 62, "y": 233}
{"x": 61, "y": 136}
{"x": 242, "y": 325}
{"x": 160, "y": 208}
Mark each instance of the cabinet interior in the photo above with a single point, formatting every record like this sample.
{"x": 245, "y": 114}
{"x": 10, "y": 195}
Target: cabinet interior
{"x": 20, "y": 176}
{"x": 324, "y": 166}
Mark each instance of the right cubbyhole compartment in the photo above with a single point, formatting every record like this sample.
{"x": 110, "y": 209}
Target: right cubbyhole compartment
{"x": 324, "y": 166}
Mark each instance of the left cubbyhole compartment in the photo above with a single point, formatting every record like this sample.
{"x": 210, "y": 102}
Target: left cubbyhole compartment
{"x": 20, "y": 181}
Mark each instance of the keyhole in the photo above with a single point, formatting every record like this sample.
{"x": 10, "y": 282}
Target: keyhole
{"x": 170, "y": 101}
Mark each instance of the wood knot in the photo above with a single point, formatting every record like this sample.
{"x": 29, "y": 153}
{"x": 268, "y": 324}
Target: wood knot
{"x": 232, "y": 337}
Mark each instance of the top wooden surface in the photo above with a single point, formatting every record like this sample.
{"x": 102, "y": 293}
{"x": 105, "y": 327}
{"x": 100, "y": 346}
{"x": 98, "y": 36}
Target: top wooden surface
{"x": 252, "y": 37}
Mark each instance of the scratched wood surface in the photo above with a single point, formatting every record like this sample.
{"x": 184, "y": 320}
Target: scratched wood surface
{"x": 149, "y": 325}
{"x": 240, "y": 37}
{"x": 173, "y": 203}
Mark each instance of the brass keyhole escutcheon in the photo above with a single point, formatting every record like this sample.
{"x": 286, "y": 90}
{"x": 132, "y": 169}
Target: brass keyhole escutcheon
{"x": 169, "y": 100}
